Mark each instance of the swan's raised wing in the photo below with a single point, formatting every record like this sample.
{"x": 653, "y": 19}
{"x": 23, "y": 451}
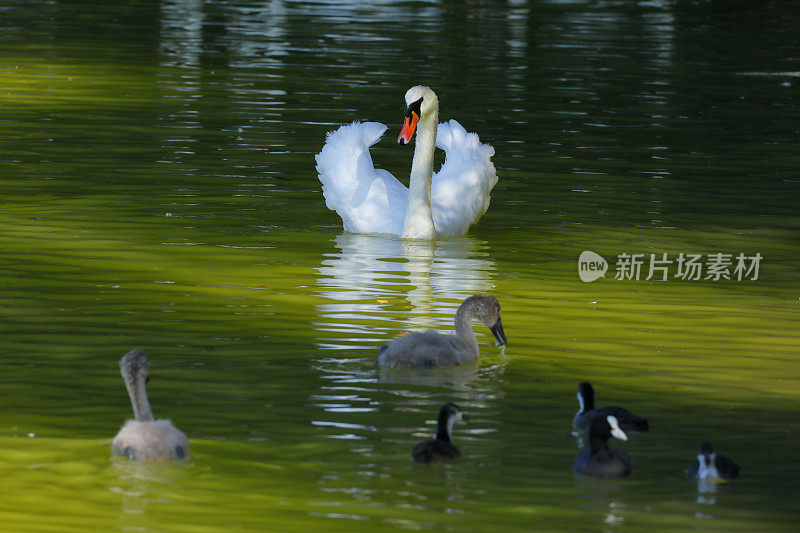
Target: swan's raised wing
{"x": 460, "y": 190}
{"x": 369, "y": 200}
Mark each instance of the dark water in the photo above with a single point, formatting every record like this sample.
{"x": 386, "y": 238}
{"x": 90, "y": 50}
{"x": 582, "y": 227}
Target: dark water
{"x": 158, "y": 191}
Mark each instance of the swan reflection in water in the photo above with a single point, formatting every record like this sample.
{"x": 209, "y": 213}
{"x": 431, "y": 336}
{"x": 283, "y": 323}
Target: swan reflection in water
{"x": 377, "y": 286}
{"x": 373, "y": 288}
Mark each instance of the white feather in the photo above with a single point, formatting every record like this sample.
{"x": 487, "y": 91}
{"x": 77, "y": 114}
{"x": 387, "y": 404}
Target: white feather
{"x": 616, "y": 431}
{"x": 371, "y": 200}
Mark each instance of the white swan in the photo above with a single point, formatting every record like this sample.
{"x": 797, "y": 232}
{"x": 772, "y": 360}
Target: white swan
{"x": 371, "y": 200}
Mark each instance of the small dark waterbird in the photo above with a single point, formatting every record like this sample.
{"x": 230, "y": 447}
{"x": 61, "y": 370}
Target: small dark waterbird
{"x": 431, "y": 348}
{"x": 710, "y": 464}
{"x": 598, "y": 459}
{"x": 440, "y": 448}
{"x": 587, "y": 412}
{"x": 144, "y": 438}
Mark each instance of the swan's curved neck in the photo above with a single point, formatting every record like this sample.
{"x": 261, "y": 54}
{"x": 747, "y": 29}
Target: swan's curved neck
{"x": 463, "y": 326}
{"x": 418, "y": 222}
{"x": 139, "y": 402}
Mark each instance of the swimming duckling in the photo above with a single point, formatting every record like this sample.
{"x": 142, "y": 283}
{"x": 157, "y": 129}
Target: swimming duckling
{"x": 599, "y": 460}
{"x": 440, "y": 448}
{"x": 145, "y": 439}
{"x": 712, "y": 465}
{"x": 431, "y": 348}
{"x": 587, "y": 412}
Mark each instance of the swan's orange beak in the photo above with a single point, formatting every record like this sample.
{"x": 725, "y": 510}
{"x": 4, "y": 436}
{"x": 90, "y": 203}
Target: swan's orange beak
{"x": 409, "y": 126}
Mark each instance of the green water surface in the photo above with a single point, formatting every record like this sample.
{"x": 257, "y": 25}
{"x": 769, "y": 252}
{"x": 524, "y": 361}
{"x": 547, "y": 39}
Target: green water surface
{"x": 158, "y": 191}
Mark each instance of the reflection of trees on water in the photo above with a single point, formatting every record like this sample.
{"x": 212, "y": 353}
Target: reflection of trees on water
{"x": 223, "y": 93}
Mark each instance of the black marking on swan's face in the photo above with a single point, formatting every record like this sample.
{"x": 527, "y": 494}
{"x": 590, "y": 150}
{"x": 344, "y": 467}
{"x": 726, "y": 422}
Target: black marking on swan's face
{"x": 414, "y": 107}
{"x": 412, "y": 113}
